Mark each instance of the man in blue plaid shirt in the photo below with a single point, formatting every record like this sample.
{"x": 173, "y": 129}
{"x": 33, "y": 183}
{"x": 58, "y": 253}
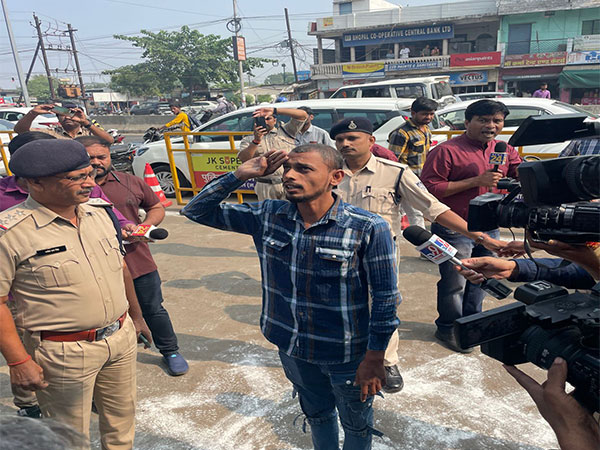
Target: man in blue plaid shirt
{"x": 322, "y": 261}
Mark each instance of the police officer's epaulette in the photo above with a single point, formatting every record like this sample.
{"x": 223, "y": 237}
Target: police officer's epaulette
{"x": 98, "y": 202}
{"x": 392, "y": 163}
{"x": 12, "y": 216}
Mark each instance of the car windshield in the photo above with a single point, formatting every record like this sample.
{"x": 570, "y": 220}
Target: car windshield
{"x": 577, "y": 109}
{"x": 442, "y": 89}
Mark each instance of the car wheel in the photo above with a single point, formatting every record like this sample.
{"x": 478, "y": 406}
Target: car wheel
{"x": 165, "y": 179}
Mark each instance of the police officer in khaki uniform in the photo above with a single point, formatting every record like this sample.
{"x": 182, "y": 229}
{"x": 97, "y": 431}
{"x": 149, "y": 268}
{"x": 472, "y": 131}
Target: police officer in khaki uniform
{"x": 60, "y": 259}
{"x": 370, "y": 183}
{"x": 273, "y": 137}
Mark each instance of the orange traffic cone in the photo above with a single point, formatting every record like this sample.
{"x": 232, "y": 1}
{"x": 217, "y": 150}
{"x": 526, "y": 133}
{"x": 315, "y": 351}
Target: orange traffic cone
{"x": 152, "y": 181}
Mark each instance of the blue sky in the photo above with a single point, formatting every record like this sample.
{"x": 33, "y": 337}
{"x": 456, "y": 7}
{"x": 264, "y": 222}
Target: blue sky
{"x": 263, "y": 26}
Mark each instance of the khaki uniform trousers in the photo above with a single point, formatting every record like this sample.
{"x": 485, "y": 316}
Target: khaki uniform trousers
{"x": 76, "y": 372}
{"x": 266, "y": 191}
{"x": 390, "y": 357}
{"x": 21, "y": 397}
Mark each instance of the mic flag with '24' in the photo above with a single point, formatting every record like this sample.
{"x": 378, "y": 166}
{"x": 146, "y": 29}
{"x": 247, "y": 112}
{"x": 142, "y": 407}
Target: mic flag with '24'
{"x": 498, "y": 157}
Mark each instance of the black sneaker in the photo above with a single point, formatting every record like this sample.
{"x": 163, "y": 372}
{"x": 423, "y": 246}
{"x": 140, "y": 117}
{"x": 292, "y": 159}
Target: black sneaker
{"x": 448, "y": 341}
{"x": 33, "y": 412}
{"x": 393, "y": 380}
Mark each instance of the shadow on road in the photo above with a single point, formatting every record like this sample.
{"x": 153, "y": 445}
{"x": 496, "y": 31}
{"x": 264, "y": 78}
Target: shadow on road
{"x": 232, "y": 283}
{"x": 192, "y": 250}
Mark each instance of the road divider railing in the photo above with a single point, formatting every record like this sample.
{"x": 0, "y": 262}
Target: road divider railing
{"x": 205, "y": 164}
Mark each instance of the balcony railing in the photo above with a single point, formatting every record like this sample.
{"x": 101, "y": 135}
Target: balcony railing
{"x": 323, "y": 71}
{"x": 536, "y": 46}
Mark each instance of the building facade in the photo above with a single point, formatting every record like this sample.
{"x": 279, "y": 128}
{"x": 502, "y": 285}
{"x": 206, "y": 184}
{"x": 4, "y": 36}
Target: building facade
{"x": 475, "y": 43}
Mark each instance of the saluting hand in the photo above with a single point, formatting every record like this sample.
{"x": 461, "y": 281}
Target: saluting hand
{"x": 261, "y": 166}
{"x": 28, "y": 376}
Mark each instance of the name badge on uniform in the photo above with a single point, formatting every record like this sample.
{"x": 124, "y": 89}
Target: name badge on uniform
{"x": 498, "y": 159}
{"x": 51, "y": 251}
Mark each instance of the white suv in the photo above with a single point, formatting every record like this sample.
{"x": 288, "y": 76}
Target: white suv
{"x": 385, "y": 114}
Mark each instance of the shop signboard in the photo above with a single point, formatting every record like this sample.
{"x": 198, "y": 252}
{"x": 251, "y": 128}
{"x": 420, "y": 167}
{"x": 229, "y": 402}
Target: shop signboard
{"x": 393, "y": 35}
{"x": 364, "y": 70}
{"x": 591, "y": 57}
{"x": 416, "y": 65}
{"x": 208, "y": 166}
{"x": 536, "y": 59}
{"x": 586, "y": 42}
{"x": 473, "y": 78}
{"x": 475, "y": 59}
{"x": 303, "y": 75}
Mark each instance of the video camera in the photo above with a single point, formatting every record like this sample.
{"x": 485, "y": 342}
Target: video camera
{"x": 548, "y": 322}
{"x": 548, "y": 199}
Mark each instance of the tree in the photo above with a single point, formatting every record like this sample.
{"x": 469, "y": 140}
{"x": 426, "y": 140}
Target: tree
{"x": 136, "y": 80}
{"x": 277, "y": 78}
{"x": 38, "y": 87}
{"x": 185, "y": 58}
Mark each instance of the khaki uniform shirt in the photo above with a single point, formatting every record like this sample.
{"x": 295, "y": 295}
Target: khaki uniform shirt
{"x": 62, "y": 277}
{"x": 279, "y": 138}
{"x": 372, "y": 188}
{"x": 59, "y": 133}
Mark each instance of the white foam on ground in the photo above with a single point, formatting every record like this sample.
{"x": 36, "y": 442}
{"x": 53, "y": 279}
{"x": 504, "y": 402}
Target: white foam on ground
{"x": 444, "y": 405}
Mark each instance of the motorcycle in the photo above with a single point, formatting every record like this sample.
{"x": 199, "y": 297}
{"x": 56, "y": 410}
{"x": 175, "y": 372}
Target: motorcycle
{"x": 122, "y": 158}
{"x": 117, "y": 137}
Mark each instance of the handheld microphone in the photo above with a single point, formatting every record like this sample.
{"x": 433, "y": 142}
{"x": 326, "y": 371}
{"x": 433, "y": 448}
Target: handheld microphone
{"x": 498, "y": 157}
{"x": 149, "y": 233}
{"x": 439, "y": 251}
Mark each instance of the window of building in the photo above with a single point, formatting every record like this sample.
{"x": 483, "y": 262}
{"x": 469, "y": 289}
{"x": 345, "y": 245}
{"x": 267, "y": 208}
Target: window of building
{"x": 346, "y": 8}
{"x": 590, "y": 27}
{"x": 519, "y": 39}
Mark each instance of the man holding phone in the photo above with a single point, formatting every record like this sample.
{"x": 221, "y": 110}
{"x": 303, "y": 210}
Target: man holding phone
{"x": 268, "y": 135}
{"x": 72, "y": 119}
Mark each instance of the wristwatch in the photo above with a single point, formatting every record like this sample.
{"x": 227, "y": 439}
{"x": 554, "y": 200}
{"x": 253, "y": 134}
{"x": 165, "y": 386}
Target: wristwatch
{"x": 89, "y": 124}
{"x": 274, "y": 111}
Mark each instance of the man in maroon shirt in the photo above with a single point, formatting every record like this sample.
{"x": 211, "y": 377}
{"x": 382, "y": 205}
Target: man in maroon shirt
{"x": 457, "y": 171}
{"x": 128, "y": 193}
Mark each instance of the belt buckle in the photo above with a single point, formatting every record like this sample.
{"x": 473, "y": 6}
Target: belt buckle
{"x": 107, "y": 331}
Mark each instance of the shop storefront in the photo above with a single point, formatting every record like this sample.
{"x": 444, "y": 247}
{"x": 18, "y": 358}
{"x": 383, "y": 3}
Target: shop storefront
{"x": 473, "y": 81}
{"x": 580, "y": 79}
{"x": 523, "y": 82}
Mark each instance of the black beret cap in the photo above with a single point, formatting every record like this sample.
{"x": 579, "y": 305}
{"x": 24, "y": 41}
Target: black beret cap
{"x": 351, "y": 124}
{"x": 47, "y": 157}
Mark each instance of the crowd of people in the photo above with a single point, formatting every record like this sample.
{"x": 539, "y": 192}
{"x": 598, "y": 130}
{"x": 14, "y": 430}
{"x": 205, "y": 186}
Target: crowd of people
{"x": 78, "y": 292}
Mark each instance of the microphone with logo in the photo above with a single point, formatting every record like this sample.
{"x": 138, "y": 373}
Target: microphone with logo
{"x": 498, "y": 156}
{"x": 148, "y": 233}
{"x": 439, "y": 251}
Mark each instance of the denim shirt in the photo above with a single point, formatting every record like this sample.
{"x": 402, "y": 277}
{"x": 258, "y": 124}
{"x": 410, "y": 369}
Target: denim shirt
{"x": 316, "y": 281}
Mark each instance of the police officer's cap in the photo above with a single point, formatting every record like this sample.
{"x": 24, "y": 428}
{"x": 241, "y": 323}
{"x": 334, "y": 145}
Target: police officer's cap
{"x": 47, "y": 157}
{"x": 351, "y": 124}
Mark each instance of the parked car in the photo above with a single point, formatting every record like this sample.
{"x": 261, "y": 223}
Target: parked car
{"x": 158, "y": 108}
{"x": 385, "y": 114}
{"x": 6, "y": 125}
{"x": 13, "y": 115}
{"x": 479, "y": 95}
{"x": 437, "y": 88}
{"x": 520, "y": 109}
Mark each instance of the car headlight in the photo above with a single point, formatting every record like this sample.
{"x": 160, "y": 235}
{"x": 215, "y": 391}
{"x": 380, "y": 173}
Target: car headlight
{"x": 140, "y": 151}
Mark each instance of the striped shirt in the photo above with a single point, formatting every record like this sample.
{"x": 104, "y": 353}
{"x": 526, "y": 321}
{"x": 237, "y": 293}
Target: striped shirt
{"x": 411, "y": 144}
{"x": 316, "y": 282}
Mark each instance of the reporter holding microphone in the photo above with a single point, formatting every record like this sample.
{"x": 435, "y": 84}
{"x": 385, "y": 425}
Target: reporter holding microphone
{"x": 455, "y": 172}
{"x": 131, "y": 193}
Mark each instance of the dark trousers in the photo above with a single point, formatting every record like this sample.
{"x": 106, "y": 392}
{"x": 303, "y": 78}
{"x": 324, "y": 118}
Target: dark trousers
{"x": 457, "y": 297}
{"x": 149, "y": 294}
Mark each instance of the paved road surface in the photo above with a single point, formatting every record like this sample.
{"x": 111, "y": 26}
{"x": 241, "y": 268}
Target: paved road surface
{"x": 235, "y": 395}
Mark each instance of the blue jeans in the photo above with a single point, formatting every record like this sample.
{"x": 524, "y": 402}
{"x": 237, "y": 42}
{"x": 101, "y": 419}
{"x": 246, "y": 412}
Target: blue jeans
{"x": 149, "y": 294}
{"x": 321, "y": 389}
{"x": 456, "y": 297}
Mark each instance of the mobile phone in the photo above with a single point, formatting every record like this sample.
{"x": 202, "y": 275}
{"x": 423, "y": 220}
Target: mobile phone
{"x": 260, "y": 122}
{"x": 145, "y": 341}
{"x": 61, "y": 110}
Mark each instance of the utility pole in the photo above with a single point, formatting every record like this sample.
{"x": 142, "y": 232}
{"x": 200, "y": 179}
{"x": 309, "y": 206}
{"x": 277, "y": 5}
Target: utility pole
{"x": 287, "y": 22}
{"x": 37, "y": 49}
{"x": 15, "y": 53}
{"x": 241, "y": 69}
{"x": 74, "y": 50}
{"x": 44, "y": 57}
